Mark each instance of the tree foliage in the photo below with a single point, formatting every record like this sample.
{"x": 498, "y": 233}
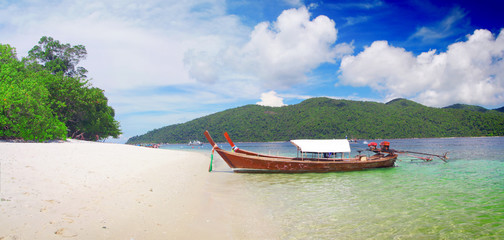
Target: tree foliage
{"x": 320, "y": 118}
{"x": 83, "y": 109}
{"x": 42, "y": 102}
{"x": 21, "y": 113}
{"x": 59, "y": 58}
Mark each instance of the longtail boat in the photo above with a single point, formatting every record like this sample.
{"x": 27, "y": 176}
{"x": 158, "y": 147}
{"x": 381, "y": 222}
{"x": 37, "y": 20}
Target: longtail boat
{"x": 313, "y": 156}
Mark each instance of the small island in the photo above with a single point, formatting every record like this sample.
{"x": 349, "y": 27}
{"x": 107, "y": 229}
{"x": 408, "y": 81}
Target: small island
{"x": 326, "y": 118}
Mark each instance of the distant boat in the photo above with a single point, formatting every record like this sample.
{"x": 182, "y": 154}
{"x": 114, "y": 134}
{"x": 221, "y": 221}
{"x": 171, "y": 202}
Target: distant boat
{"x": 323, "y": 158}
{"x": 195, "y": 143}
{"x": 352, "y": 140}
{"x": 152, "y": 145}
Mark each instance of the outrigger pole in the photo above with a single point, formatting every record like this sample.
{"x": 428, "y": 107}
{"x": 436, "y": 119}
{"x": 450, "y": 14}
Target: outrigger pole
{"x": 385, "y": 148}
{"x": 442, "y": 157}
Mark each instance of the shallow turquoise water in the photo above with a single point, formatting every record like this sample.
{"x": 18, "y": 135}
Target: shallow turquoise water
{"x": 461, "y": 199}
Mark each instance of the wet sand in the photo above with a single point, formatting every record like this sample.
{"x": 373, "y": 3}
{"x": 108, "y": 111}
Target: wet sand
{"x": 88, "y": 190}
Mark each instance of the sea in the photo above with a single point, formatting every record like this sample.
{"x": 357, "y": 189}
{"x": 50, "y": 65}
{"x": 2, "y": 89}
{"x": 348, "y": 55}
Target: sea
{"x": 462, "y": 198}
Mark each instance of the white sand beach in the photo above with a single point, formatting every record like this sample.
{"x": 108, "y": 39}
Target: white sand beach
{"x": 89, "y": 190}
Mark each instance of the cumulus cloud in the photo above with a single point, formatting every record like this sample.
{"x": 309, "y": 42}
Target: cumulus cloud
{"x": 271, "y": 99}
{"x": 278, "y": 54}
{"x": 470, "y": 72}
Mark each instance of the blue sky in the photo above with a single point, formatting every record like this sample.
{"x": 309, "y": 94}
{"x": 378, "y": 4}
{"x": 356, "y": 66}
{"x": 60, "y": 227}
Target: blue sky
{"x": 167, "y": 62}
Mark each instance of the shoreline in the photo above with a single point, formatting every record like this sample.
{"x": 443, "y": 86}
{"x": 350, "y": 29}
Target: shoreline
{"x": 90, "y": 190}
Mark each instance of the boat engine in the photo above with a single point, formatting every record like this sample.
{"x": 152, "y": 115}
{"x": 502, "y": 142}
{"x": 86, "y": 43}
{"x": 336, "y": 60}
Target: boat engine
{"x": 385, "y": 146}
{"x": 372, "y": 146}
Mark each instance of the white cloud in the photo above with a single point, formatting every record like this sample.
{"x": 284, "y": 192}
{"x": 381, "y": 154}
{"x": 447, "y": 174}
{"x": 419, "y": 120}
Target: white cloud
{"x": 130, "y": 43}
{"x": 277, "y": 55}
{"x": 470, "y": 72}
{"x": 271, "y": 99}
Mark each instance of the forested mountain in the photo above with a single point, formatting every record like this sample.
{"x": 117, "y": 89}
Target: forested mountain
{"x": 328, "y": 118}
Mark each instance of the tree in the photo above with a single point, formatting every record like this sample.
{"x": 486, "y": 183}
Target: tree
{"x": 83, "y": 109}
{"x": 24, "y": 112}
{"x": 44, "y": 97}
{"x": 59, "y": 58}
{"x": 80, "y": 106}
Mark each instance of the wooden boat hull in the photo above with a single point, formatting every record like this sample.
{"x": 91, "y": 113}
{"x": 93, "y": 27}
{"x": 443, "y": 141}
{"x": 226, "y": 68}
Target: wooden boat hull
{"x": 246, "y": 161}
{"x": 241, "y": 162}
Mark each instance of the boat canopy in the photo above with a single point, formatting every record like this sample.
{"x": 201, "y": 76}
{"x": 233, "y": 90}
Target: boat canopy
{"x": 322, "y": 145}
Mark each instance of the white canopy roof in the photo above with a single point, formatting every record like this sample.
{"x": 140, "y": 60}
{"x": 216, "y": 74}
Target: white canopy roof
{"x": 322, "y": 146}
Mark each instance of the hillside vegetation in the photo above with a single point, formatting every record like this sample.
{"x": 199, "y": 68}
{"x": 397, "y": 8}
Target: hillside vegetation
{"x": 328, "y": 118}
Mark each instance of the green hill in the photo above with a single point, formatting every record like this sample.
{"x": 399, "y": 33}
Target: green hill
{"x": 329, "y": 118}
{"x": 468, "y": 107}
